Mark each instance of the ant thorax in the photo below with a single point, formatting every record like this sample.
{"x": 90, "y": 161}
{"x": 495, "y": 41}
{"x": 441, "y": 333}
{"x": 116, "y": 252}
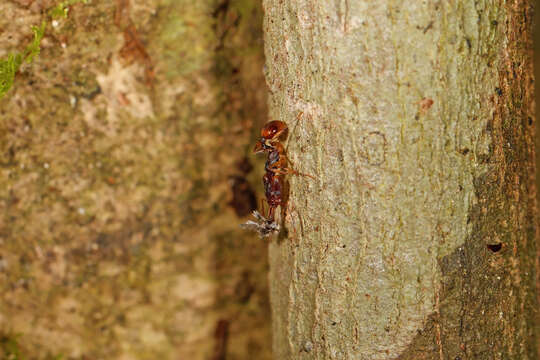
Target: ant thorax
{"x": 273, "y": 158}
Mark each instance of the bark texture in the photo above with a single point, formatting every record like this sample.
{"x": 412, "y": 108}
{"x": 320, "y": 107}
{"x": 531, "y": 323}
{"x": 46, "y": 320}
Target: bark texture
{"x": 123, "y": 180}
{"x": 417, "y": 238}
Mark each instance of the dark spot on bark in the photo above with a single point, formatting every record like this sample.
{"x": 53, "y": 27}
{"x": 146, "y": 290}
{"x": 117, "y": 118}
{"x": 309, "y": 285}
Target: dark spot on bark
{"x": 495, "y": 247}
{"x": 244, "y": 288}
{"x": 429, "y": 26}
{"x": 460, "y": 188}
{"x": 91, "y": 92}
{"x": 464, "y": 151}
{"x": 243, "y": 197}
{"x": 334, "y": 323}
{"x": 221, "y": 9}
{"x": 221, "y": 335}
{"x": 494, "y": 23}
{"x": 244, "y": 166}
{"x": 498, "y": 91}
{"x": 530, "y": 120}
{"x": 102, "y": 240}
{"x": 121, "y": 318}
{"x": 489, "y": 125}
{"x": 469, "y": 44}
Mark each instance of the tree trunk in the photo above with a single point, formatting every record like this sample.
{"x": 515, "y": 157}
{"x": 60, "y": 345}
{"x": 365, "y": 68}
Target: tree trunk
{"x": 123, "y": 180}
{"x": 417, "y": 238}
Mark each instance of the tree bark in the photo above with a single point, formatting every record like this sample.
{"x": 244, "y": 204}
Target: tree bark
{"x": 417, "y": 239}
{"x": 123, "y": 180}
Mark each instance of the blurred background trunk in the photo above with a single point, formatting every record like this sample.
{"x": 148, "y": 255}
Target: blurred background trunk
{"x": 123, "y": 179}
{"x": 417, "y": 240}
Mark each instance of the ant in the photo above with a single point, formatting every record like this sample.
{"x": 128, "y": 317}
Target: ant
{"x": 276, "y": 168}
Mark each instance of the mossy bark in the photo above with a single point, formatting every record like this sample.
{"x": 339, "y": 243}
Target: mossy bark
{"x": 417, "y": 239}
{"x": 123, "y": 180}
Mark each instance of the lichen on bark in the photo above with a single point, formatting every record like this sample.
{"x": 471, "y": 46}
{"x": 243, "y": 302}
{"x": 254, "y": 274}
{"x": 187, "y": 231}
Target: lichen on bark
{"x": 415, "y": 122}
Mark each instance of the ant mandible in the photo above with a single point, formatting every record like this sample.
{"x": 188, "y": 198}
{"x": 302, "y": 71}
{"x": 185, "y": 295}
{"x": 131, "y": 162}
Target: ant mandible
{"x": 276, "y": 168}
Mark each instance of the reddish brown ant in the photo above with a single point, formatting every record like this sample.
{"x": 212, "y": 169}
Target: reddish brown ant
{"x": 276, "y": 168}
{"x": 270, "y": 134}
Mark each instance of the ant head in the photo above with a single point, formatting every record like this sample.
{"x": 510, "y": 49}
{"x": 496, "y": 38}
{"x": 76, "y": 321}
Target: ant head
{"x": 273, "y": 130}
{"x": 259, "y": 147}
{"x": 262, "y": 146}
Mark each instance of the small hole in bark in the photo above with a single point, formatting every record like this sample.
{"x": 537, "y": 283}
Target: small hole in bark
{"x": 498, "y": 91}
{"x": 494, "y": 247}
{"x": 530, "y": 120}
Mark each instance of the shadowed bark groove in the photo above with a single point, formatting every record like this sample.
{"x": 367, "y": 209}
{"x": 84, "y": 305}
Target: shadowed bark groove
{"x": 417, "y": 239}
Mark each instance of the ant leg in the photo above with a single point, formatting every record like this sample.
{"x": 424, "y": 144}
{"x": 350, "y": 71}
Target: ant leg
{"x": 262, "y": 206}
{"x": 291, "y": 171}
{"x": 271, "y": 215}
{"x": 294, "y": 172}
{"x": 279, "y": 169}
{"x": 300, "y": 115}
